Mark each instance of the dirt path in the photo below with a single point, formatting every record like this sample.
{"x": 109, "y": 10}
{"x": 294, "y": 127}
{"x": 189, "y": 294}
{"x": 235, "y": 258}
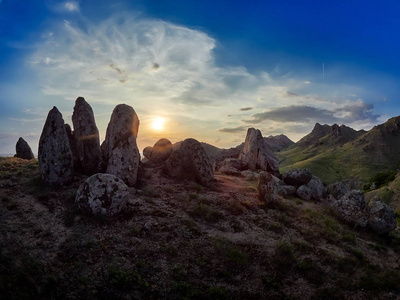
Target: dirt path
{"x": 237, "y": 185}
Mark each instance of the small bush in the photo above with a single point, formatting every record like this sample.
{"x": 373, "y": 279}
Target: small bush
{"x": 207, "y": 213}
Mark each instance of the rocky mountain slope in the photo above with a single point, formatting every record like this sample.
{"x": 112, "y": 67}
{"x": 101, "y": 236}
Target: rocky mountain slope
{"x": 179, "y": 240}
{"x": 335, "y": 153}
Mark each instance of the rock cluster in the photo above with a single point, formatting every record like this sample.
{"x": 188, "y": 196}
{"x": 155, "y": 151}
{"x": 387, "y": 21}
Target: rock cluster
{"x": 120, "y": 152}
{"x": 255, "y": 155}
{"x": 23, "y": 150}
{"x": 102, "y": 194}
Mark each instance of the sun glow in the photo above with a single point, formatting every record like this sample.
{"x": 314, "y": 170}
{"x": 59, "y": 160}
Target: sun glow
{"x": 158, "y": 123}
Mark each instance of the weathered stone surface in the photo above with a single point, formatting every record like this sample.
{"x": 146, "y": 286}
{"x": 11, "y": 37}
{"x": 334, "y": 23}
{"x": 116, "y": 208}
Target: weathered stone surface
{"x": 250, "y": 175}
{"x": 267, "y": 187}
{"x": 72, "y": 145}
{"x": 120, "y": 153}
{"x": 303, "y": 192}
{"x": 338, "y": 190}
{"x": 228, "y": 170}
{"x": 314, "y": 189}
{"x": 297, "y": 177}
{"x": 86, "y": 137}
{"x": 160, "y": 152}
{"x": 381, "y": 217}
{"x": 256, "y": 154}
{"x": 352, "y": 208}
{"x": 23, "y": 150}
{"x": 55, "y": 156}
{"x": 190, "y": 161}
{"x": 230, "y": 163}
{"x": 102, "y": 194}
{"x": 286, "y": 190}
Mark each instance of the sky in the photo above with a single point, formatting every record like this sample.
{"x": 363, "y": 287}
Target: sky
{"x": 202, "y": 69}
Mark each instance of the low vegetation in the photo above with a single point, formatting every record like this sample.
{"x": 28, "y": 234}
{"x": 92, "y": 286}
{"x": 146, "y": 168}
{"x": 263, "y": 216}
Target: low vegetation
{"x": 183, "y": 241}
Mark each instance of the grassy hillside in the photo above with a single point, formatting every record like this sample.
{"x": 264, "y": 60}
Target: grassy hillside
{"x": 351, "y": 154}
{"x": 182, "y": 241}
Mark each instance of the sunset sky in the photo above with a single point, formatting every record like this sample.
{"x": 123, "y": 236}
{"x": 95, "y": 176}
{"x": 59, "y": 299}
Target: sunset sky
{"x": 202, "y": 69}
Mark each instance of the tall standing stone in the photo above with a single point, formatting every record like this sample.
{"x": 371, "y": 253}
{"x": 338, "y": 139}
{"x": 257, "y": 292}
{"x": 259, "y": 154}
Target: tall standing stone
{"x": 55, "y": 156}
{"x": 256, "y": 155}
{"x": 120, "y": 152}
{"x": 23, "y": 150}
{"x": 86, "y": 136}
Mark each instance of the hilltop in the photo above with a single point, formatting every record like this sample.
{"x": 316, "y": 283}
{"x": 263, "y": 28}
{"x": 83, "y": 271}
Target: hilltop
{"x": 179, "y": 240}
{"x": 336, "y": 153}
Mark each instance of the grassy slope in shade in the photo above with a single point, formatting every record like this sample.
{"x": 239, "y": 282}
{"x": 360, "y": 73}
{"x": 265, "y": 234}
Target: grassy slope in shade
{"x": 178, "y": 240}
{"x": 359, "y": 156}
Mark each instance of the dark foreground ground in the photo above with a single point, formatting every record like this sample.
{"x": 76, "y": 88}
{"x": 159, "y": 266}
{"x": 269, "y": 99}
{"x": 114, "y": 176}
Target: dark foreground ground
{"x": 182, "y": 241}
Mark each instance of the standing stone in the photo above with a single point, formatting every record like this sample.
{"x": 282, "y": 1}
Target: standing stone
{"x": 55, "y": 156}
{"x": 86, "y": 137}
{"x": 23, "y": 150}
{"x": 102, "y": 194}
{"x": 120, "y": 152}
{"x": 257, "y": 155}
{"x": 190, "y": 162}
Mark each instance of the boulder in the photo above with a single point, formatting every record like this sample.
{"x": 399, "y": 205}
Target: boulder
{"x": 381, "y": 217}
{"x": 54, "y": 155}
{"x": 230, "y": 162}
{"x": 23, "y": 150}
{"x": 297, "y": 177}
{"x": 120, "y": 153}
{"x": 160, "y": 152}
{"x": 267, "y": 188}
{"x": 352, "y": 208}
{"x": 303, "y": 192}
{"x": 338, "y": 190}
{"x": 102, "y": 194}
{"x": 257, "y": 155}
{"x": 86, "y": 136}
{"x": 250, "y": 175}
{"x": 286, "y": 190}
{"x": 190, "y": 161}
{"x": 314, "y": 189}
{"x": 228, "y": 170}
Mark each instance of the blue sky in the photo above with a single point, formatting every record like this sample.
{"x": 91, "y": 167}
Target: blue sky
{"x": 209, "y": 69}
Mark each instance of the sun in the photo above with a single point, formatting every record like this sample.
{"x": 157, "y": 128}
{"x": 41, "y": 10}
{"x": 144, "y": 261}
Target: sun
{"x": 158, "y": 123}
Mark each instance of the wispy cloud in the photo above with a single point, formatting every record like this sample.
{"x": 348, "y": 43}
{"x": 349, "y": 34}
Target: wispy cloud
{"x": 234, "y": 129}
{"x": 72, "y": 6}
{"x": 164, "y": 69}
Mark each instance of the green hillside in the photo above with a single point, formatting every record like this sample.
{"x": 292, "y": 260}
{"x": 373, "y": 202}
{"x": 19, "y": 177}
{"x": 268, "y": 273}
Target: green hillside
{"x": 343, "y": 153}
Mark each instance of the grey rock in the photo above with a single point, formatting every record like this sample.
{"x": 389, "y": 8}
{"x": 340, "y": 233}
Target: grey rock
{"x": 102, "y": 194}
{"x": 250, "y": 175}
{"x": 286, "y": 190}
{"x": 257, "y": 155}
{"x": 338, "y": 190}
{"x": 120, "y": 152}
{"x": 381, "y": 217}
{"x": 267, "y": 188}
{"x": 160, "y": 152}
{"x": 230, "y": 163}
{"x": 54, "y": 155}
{"x": 313, "y": 190}
{"x": 190, "y": 161}
{"x": 228, "y": 170}
{"x": 352, "y": 208}
{"x": 86, "y": 136}
{"x": 297, "y": 177}
{"x": 303, "y": 192}
{"x": 23, "y": 150}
